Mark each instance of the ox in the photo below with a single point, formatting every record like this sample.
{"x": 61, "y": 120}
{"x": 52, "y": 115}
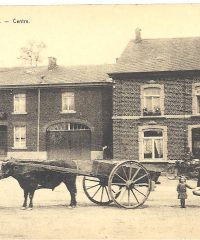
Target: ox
{"x": 33, "y": 178}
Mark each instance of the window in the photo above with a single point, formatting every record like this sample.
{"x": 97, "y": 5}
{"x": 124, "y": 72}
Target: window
{"x": 152, "y": 100}
{"x": 153, "y": 144}
{"x": 196, "y": 100}
{"x": 20, "y": 103}
{"x": 20, "y": 137}
{"x": 198, "y": 104}
{"x": 68, "y": 102}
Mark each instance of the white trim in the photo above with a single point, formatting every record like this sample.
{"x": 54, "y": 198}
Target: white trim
{"x": 20, "y": 148}
{"x": 67, "y": 111}
{"x": 141, "y": 129}
{"x": 154, "y": 117}
{"x": 194, "y": 99}
{"x": 126, "y": 117}
{"x": 178, "y": 116}
{"x": 19, "y": 113}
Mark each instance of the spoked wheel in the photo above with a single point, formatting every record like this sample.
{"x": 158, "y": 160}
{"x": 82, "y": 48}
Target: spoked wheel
{"x": 96, "y": 190}
{"x": 129, "y": 184}
{"x": 172, "y": 172}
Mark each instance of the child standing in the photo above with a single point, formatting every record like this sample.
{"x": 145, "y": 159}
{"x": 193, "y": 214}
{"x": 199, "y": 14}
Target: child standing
{"x": 182, "y": 190}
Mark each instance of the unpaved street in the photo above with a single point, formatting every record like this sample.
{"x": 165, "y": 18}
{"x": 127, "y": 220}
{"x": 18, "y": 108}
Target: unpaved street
{"x": 159, "y": 218}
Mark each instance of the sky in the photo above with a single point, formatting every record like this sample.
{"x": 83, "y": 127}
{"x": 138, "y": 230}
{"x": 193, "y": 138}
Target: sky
{"x": 90, "y": 34}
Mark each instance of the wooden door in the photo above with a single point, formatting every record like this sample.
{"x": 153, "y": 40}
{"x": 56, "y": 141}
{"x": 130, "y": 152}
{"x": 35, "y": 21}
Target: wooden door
{"x": 63, "y": 145}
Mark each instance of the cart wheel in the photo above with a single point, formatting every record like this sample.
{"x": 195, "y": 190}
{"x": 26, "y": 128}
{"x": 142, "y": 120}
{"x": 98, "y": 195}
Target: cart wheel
{"x": 129, "y": 184}
{"x": 96, "y": 189}
{"x": 172, "y": 172}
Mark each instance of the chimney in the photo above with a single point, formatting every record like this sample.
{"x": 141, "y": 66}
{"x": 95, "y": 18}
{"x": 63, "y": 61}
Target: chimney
{"x": 138, "y": 35}
{"x": 52, "y": 63}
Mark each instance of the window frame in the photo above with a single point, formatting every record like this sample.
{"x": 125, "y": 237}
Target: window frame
{"x": 141, "y": 130}
{"x": 16, "y": 144}
{"x": 153, "y": 138}
{"x": 143, "y": 99}
{"x": 64, "y": 95}
{"x": 195, "y": 95}
{"x": 16, "y": 104}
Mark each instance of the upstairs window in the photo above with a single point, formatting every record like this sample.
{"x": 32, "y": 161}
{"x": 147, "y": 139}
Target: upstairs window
{"x": 20, "y": 103}
{"x": 198, "y": 104}
{"x": 68, "y": 102}
{"x": 20, "y": 137}
{"x": 152, "y": 100}
{"x": 196, "y": 100}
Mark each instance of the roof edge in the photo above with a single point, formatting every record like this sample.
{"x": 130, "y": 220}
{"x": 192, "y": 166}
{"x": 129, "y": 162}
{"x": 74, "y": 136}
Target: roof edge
{"x": 156, "y": 73}
{"x": 33, "y": 86}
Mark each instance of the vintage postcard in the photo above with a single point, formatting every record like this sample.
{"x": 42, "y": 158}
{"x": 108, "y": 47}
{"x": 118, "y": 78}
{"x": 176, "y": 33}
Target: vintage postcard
{"x": 100, "y": 121}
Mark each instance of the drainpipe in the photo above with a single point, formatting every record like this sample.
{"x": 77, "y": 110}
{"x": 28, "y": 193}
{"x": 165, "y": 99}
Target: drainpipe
{"x": 38, "y": 122}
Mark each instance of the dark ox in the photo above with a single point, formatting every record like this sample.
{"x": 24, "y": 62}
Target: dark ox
{"x": 36, "y": 177}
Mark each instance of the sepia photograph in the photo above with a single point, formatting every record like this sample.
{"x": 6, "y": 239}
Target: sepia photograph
{"x": 100, "y": 121}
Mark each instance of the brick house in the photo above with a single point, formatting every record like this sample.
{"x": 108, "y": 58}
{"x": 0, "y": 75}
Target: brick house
{"x": 156, "y": 99}
{"x": 55, "y": 112}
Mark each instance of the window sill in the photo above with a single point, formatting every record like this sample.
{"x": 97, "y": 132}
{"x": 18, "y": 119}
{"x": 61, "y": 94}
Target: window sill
{"x": 19, "y": 113}
{"x": 70, "y": 111}
{"x": 151, "y": 116}
{"x": 19, "y": 148}
{"x": 155, "y": 160}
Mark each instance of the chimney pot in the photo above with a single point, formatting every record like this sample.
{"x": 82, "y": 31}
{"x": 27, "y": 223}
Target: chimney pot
{"x": 52, "y": 63}
{"x": 138, "y": 35}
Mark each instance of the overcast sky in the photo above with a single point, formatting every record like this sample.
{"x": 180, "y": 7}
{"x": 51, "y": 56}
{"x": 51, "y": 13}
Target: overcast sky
{"x": 91, "y": 34}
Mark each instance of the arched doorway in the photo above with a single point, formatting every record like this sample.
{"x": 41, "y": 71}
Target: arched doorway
{"x": 68, "y": 140}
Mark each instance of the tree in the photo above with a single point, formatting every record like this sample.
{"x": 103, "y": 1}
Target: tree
{"x": 31, "y": 54}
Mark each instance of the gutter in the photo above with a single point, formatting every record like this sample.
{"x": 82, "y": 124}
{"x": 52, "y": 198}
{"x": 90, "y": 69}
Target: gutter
{"x": 64, "y": 85}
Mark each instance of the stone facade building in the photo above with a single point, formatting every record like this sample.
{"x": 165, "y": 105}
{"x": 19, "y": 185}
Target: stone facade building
{"x": 156, "y": 99}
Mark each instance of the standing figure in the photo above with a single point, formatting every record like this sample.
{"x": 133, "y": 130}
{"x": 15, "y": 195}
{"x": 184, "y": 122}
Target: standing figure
{"x": 182, "y": 191}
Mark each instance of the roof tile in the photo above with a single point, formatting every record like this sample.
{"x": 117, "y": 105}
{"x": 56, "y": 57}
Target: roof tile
{"x": 59, "y": 75}
{"x": 167, "y": 54}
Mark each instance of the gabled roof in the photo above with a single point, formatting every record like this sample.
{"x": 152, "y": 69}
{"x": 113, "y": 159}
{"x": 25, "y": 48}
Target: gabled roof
{"x": 154, "y": 55}
{"x": 59, "y": 75}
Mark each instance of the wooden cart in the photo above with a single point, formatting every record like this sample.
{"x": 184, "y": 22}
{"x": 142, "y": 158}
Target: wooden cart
{"x": 126, "y": 183}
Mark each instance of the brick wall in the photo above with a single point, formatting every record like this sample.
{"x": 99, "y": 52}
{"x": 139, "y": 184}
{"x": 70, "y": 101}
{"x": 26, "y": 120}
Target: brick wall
{"x": 126, "y": 95}
{"x": 90, "y": 108}
{"x": 127, "y": 103}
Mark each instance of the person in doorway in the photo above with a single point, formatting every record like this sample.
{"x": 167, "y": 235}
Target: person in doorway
{"x": 106, "y": 153}
{"x": 182, "y": 191}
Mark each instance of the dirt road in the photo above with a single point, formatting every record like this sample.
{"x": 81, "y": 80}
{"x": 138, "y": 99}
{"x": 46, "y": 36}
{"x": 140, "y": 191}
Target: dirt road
{"x": 159, "y": 218}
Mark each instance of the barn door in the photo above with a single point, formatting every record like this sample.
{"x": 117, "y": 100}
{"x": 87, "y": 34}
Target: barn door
{"x": 68, "y": 142}
{"x": 3, "y": 140}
